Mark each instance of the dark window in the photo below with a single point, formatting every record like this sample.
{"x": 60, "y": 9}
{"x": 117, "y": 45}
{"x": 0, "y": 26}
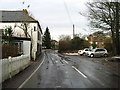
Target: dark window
{"x": 99, "y": 50}
{"x": 102, "y": 50}
{"x": 87, "y": 50}
{"x": 34, "y": 28}
{"x": 39, "y": 36}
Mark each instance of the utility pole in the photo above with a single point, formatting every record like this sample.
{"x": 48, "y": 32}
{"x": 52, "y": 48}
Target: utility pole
{"x": 73, "y": 30}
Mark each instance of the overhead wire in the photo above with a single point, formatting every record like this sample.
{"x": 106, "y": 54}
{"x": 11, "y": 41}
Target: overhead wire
{"x": 68, "y": 13}
{"x": 70, "y": 18}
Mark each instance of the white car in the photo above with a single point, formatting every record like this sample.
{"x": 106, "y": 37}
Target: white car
{"x": 98, "y": 52}
{"x": 84, "y": 51}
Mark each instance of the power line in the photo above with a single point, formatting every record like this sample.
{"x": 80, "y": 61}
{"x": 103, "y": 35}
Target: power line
{"x": 67, "y": 10}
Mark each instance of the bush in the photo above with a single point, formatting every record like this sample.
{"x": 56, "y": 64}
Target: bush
{"x": 64, "y": 46}
{"x": 72, "y": 45}
{"x": 108, "y": 46}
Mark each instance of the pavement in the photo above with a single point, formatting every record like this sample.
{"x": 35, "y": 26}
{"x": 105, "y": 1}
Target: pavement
{"x": 19, "y": 78}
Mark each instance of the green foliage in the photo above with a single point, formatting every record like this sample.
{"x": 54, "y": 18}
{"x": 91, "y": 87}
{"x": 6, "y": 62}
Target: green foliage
{"x": 108, "y": 46}
{"x": 64, "y": 46}
{"x": 85, "y": 44}
{"x": 94, "y": 45}
{"x": 47, "y": 39}
{"x": 8, "y": 31}
{"x": 72, "y": 44}
{"x": 78, "y": 43}
{"x": 7, "y": 34}
{"x": 75, "y": 43}
{"x": 64, "y": 43}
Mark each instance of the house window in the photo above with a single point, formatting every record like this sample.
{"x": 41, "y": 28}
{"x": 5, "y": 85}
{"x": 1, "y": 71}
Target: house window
{"x": 34, "y": 28}
{"x": 20, "y": 47}
{"x": 38, "y": 35}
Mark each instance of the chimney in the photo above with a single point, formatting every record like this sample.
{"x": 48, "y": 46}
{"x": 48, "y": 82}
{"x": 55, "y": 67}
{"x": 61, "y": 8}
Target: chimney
{"x": 25, "y": 11}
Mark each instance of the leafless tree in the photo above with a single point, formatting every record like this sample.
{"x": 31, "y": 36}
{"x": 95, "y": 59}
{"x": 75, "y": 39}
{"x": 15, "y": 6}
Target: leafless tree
{"x": 105, "y": 16}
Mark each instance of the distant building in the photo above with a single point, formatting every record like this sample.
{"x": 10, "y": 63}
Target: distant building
{"x": 98, "y": 40}
{"x": 19, "y": 21}
{"x": 54, "y": 44}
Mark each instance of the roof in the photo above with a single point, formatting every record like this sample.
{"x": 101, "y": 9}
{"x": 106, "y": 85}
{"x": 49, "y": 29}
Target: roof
{"x": 16, "y": 16}
{"x": 18, "y": 38}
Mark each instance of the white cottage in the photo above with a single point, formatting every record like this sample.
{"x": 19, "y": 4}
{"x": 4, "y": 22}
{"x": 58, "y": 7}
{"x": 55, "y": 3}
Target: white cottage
{"x": 22, "y": 22}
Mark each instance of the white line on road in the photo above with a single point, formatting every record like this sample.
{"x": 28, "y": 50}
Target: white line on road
{"x": 66, "y": 62}
{"x": 79, "y": 72}
{"x": 31, "y": 75}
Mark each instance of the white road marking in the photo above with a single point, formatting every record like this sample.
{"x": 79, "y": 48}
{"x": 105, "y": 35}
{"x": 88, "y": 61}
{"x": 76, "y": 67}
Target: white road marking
{"x": 66, "y": 62}
{"x": 66, "y": 72}
{"x": 31, "y": 75}
{"x": 58, "y": 86}
{"x": 79, "y": 72}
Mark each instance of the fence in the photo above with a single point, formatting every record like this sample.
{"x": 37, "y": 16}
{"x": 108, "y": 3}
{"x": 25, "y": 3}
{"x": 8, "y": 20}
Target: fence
{"x": 9, "y": 50}
{"x": 12, "y": 66}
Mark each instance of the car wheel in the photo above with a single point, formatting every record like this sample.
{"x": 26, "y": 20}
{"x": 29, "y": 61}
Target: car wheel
{"x": 80, "y": 54}
{"x": 105, "y": 55}
{"x": 83, "y": 54}
{"x": 92, "y": 55}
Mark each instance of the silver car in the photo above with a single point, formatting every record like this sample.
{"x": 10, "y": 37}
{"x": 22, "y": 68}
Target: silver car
{"x": 84, "y": 51}
{"x": 98, "y": 52}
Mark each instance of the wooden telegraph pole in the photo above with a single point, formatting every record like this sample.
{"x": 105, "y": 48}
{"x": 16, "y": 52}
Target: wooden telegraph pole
{"x": 73, "y": 30}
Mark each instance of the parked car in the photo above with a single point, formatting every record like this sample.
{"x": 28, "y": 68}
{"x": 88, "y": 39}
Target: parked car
{"x": 84, "y": 51}
{"x": 98, "y": 52}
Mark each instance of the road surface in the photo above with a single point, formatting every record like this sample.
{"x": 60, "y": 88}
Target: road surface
{"x": 58, "y": 71}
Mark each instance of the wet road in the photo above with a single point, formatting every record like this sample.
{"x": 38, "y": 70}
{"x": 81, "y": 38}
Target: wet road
{"x": 58, "y": 71}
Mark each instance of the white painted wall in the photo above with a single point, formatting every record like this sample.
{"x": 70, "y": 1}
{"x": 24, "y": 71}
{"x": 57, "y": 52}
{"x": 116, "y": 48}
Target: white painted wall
{"x": 19, "y": 32}
{"x": 40, "y": 41}
{"x": 26, "y": 47}
{"x": 12, "y": 66}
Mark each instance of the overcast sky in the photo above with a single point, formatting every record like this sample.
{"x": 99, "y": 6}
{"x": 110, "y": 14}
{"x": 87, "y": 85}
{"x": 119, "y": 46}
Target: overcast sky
{"x": 57, "y": 15}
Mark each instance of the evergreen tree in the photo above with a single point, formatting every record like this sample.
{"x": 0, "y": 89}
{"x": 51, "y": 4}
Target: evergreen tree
{"x": 47, "y": 39}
